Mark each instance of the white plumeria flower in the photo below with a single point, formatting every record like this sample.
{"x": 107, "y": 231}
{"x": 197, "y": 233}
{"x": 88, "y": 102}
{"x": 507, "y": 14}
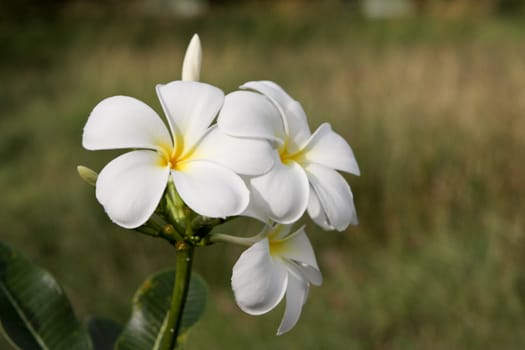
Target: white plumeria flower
{"x": 202, "y": 161}
{"x": 304, "y": 175}
{"x": 279, "y": 264}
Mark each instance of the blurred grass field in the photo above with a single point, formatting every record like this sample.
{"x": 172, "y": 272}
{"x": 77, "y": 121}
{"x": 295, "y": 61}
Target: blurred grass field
{"x": 433, "y": 108}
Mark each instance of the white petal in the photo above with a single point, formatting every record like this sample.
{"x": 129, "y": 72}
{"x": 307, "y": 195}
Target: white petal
{"x": 312, "y": 274}
{"x": 242, "y": 155}
{"x": 297, "y": 247}
{"x": 248, "y": 114}
{"x": 328, "y": 148}
{"x": 211, "y": 189}
{"x": 284, "y": 191}
{"x": 191, "y": 66}
{"x": 298, "y": 129}
{"x": 296, "y": 293}
{"x": 316, "y": 212}
{"x": 292, "y": 112}
{"x": 131, "y": 186}
{"x": 124, "y": 122}
{"x": 258, "y": 281}
{"x": 190, "y": 107}
{"x": 257, "y": 207}
{"x": 334, "y": 195}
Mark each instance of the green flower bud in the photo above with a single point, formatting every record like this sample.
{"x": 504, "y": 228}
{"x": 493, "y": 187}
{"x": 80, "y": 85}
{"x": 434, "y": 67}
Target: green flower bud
{"x": 88, "y": 175}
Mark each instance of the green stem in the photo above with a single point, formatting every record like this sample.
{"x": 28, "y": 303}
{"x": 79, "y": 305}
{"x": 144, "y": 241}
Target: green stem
{"x": 184, "y": 259}
{"x": 243, "y": 241}
{"x": 175, "y": 209}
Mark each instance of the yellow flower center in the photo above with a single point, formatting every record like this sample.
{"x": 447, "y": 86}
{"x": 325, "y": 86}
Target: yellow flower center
{"x": 276, "y": 247}
{"x": 170, "y": 157}
{"x": 276, "y": 244}
{"x": 287, "y": 157}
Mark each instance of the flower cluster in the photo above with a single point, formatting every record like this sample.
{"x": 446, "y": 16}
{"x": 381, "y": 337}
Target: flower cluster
{"x": 247, "y": 153}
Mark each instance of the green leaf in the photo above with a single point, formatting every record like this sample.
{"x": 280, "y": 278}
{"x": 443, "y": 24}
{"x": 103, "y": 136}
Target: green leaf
{"x": 104, "y": 332}
{"x": 34, "y": 310}
{"x": 150, "y": 308}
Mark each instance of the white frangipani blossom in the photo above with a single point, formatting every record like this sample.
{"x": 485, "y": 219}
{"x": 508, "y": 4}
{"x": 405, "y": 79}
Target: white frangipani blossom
{"x": 259, "y": 160}
{"x": 304, "y": 175}
{"x": 203, "y": 162}
{"x": 277, "y": 265}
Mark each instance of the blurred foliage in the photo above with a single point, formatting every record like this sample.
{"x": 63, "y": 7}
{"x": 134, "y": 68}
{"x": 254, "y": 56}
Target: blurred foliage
{"x": 432, "y": 106}
{"x": 23, "y": 9}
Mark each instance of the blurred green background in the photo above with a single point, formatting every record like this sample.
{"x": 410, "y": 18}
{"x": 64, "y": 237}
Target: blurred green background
{"x": 430, "y": 94}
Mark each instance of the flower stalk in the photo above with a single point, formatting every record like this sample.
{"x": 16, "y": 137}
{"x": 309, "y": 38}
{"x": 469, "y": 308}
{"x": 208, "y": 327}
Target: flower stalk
{"x": 242, "y": 241}
{"x": 175, "y": 209}
{"x": 184, "y": 260}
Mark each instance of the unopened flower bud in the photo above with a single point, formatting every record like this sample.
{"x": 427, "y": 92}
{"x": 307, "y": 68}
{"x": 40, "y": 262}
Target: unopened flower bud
{"x": 88, "y": 175}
